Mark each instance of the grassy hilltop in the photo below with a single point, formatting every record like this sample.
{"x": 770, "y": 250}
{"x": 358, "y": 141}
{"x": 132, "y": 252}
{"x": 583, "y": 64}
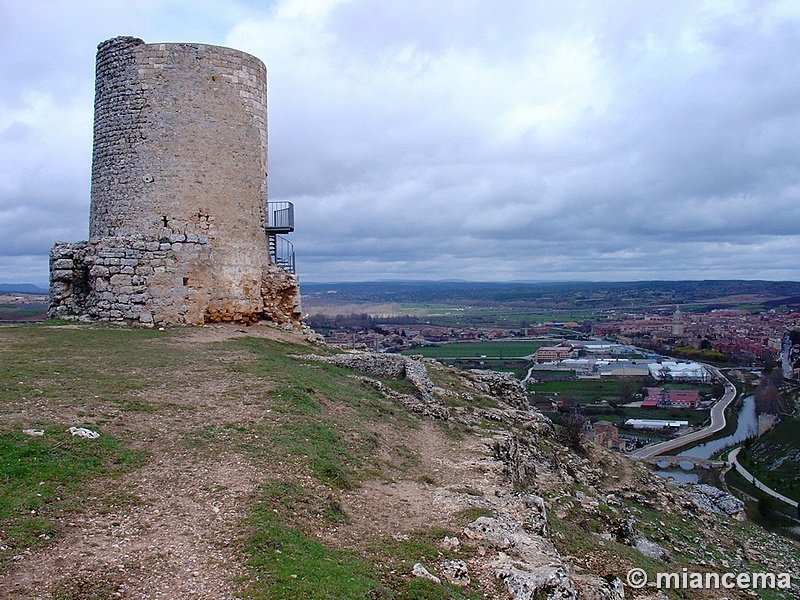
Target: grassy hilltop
{"x": 230, "y": 465}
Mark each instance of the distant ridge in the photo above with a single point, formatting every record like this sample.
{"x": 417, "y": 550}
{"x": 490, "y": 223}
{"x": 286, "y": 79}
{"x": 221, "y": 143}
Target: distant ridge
{"x": 708, "y": 294}
{"x": 21, "y": 288}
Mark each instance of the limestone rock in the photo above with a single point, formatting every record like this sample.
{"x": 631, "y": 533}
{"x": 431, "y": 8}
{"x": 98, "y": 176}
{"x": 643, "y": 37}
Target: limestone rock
{"x": 537, "y": 515}
{"x": 651, "y": 549}
{"x": 551, "y": 581}
{"x": 518, "y": 456}
{"x": 451, "y": 543}
{"x": 503, "y": 386}
{"x": 456, "y": 572}
{"x": 420, "y": 571}
{"x": 715, "y": 500}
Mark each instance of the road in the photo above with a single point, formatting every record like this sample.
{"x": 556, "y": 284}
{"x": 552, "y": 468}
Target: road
{"x": 717, "y": 424}
{"x": 733, "y": 459}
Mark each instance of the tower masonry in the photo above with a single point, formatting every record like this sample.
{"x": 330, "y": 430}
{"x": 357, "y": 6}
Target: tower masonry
{"x": 179, "y": 224}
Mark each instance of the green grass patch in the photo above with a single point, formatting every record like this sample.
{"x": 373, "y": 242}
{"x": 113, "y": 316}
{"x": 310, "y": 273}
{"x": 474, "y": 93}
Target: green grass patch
{"x": 332, "y": 443}
{"x": 89, "y": 365}
{"x": 287, "y": 564}
{"x": 469, "y": 514}
{"x": 399, "y": 554}
{"x": 774, "y": 458}
{"x": 40, "y": 476}
{"x": 322, "y": 447}
{"x": 286, "y": 561}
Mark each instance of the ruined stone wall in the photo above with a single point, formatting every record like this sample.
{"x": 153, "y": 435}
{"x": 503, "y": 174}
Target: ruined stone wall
{"x": 179, "y": 192}
{"x": 130, "y": 279}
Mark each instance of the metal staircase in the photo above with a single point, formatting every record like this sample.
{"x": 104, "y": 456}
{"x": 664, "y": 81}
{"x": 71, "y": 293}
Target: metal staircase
{"x": 280, "y": 219}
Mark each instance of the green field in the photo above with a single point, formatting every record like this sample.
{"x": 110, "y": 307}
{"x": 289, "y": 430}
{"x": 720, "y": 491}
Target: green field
{"x": 494, "y": 349}
{"x": 447, "y": 315}
{"x": 31, "y": 311}
{"x": 583, "y": 389}
{"x": 600, "y": 401}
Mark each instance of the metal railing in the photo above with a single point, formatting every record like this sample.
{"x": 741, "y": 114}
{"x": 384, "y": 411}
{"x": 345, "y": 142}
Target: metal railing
{"x": 280, "y": 217}
{"x": 281, "y": 252}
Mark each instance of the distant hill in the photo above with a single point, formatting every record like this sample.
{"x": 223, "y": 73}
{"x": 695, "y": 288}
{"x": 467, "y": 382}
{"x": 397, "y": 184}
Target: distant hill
{"x": 21, "y": 288}
{"x": 564, "y": 295}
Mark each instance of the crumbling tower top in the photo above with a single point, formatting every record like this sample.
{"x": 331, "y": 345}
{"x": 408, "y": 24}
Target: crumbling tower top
{"x": 178, "y": 129}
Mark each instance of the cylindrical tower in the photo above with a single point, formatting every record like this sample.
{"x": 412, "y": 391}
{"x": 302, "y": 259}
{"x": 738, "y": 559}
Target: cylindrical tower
{"x": 180, "y": 149}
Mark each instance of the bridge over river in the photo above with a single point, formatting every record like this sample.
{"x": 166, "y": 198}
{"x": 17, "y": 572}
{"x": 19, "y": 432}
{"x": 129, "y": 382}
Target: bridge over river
{"x": 667, "y": 460}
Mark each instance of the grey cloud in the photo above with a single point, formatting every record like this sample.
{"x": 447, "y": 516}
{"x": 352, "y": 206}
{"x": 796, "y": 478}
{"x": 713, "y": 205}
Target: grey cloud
{"x": 513, "y": 140}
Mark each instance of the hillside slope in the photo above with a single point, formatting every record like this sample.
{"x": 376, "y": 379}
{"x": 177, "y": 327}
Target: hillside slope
{"x": 775, "y": 457}
{"x": 234, "y": 463}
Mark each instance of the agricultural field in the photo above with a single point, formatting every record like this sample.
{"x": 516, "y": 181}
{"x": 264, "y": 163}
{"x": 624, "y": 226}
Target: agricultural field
{"x": 591, "y": 390}
{"x": 508, "y": 356}
{"x": 494, "y": 349}
{"x": 22, "y": 307}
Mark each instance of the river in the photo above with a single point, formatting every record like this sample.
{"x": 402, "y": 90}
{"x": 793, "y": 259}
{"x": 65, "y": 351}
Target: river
{"x": 747, "y": 426}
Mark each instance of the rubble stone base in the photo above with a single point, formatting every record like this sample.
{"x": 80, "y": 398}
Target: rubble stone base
{"x": 167, "y": 281}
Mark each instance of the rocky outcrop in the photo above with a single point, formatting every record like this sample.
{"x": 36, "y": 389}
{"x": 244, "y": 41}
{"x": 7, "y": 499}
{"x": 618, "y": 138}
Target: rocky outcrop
{"x": 534, "y": 534}
{"x": 280, "y": 291}
{"x": 529, "y": 565}
{"x": 502, "y": 386}
{"x": 394, "y": 366}
{"x": 427, "y": 408}
{"x": 715, "y": 500}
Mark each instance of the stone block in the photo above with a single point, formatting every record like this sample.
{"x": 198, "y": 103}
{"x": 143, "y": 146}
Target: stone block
{"x": 59, "y": 289}
{"x": 111, "y": 253}
{"x": 99, "y": 271}
{"x": 62, "y": 275}
{"x": 120, "y": 280}
{"x": 62, "y": 264}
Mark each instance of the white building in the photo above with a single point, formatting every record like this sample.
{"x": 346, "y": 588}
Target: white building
{"x": 679, "y": 371}
{"x": 655, "y": 424}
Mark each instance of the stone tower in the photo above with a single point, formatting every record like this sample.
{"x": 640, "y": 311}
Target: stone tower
{"x": 678, "y": 327}
{"x": 179, "y": 228}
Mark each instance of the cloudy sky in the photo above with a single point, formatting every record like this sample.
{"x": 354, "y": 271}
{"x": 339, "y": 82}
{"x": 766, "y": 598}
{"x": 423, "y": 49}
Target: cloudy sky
{"x": 456, "y": 139}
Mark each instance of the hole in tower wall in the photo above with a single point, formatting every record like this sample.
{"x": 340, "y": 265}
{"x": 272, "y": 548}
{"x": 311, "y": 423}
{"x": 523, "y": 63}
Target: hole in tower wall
{"x": 165, "y": 221}
{"x": 185, "y": 281}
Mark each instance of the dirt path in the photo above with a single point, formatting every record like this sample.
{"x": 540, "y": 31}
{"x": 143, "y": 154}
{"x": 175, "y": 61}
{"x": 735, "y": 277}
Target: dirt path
{"x": 169, "y": 529}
